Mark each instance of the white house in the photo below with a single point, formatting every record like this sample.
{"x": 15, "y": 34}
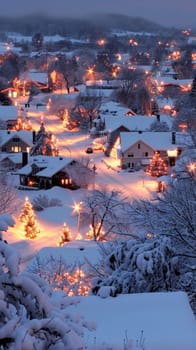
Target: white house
{"x": 136, "y": 149}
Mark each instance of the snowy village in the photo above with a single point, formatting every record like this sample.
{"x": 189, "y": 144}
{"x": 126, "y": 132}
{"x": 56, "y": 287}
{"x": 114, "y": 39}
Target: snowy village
{"x": 98, "y": 185}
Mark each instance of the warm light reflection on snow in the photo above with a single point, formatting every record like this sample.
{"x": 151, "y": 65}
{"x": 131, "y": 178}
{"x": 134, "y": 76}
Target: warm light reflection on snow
{"x": 108, "y": 174}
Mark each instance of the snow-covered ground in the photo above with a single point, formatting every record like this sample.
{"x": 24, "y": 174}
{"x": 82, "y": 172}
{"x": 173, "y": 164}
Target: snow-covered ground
{"x": 161, "y": 321}
{"x": 149, "y": 321}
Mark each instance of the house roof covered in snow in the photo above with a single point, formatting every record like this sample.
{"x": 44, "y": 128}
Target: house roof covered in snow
{"x": 7, "y": 135}
{"x": 49, "y": 165}
{"x": 169, "y": 80}
{"x": 133, "y": 123}
{"x": 8, "y": 113}
{"x": 35, "y": 75}
{"x": 156, "y": 140}
{"x": 15, "y": 158}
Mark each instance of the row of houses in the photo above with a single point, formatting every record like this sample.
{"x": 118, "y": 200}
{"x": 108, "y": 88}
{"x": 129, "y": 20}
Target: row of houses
{"x": 40, "y": 171}
{"x": 130, "y": 140}
{"x": 134, "y": 150}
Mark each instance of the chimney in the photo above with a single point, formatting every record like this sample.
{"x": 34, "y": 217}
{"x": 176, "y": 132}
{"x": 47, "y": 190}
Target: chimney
{"x": 173, "y": 138}
{"x": 34, "y": 136}
{"x": 24, "y": 158}
{"x": 158, "y": 118}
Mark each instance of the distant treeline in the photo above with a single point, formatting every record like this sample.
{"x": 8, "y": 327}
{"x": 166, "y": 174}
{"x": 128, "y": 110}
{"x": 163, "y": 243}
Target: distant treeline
{"x": 94, "y": 25}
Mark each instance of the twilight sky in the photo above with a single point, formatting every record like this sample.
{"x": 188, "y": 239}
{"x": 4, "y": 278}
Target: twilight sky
{"x": 166, "y": 12}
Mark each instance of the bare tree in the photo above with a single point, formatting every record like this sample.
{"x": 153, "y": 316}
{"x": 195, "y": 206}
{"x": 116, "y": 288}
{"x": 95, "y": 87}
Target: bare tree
{"x": 172, "y": 213}
{"x": 7, "y": 194}
{"x": 67, "y": 70}
{"x": 86, "y": 108}
{"x": 105, "y": 212}
{"x": 186, "y": 118}
{"x": 133, "y": 91}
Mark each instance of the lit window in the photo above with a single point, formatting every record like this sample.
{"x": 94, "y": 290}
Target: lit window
{"x": 16, "y": 149}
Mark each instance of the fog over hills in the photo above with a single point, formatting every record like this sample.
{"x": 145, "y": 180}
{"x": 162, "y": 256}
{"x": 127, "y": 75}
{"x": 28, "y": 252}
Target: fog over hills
{"x": 92, "y": 24}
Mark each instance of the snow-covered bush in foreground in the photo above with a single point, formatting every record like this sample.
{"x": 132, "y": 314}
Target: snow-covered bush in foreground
{"x": 136, "y": 267}
{"x": 31, "y": 316}
{"x": 41, "y": 202}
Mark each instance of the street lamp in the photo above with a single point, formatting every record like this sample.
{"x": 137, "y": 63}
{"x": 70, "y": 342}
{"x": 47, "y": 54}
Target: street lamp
{"x": 77, "y": 207}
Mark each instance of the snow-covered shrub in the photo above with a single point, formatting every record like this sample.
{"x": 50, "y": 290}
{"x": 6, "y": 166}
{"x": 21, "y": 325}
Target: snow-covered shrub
{"x": 72, "y": 279}
{"x": 31, "y": 315}
{"x": 135, "y": 267}
{"x": 172, "y": 214}
{"x": 41, "y": 202}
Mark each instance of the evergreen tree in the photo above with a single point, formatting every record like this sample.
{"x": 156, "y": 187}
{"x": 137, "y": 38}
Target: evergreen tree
{"x": 65, "y": 235}
{"x": 28, "y": 218}
{"x": 157, "y": 167}
{"x": 45, "y": 143}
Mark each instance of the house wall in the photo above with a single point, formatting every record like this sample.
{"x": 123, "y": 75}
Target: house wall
{"x": 140, "y": 155}
{"x": 15, "y": 145}
{"x": 134, "y": 156}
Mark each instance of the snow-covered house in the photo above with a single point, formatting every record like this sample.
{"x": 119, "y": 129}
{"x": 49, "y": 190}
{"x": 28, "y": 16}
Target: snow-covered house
{"x": 15, "y": 141}
{"x": 48, "y": 171}
{"x": 136, "y": 149}
{"x": 8, "y": 116}
{"x": 38, "y": 78}
{"x": 11, "y": 161}
{"x": 114, "y": 125}
{"x": 169, "y": 80}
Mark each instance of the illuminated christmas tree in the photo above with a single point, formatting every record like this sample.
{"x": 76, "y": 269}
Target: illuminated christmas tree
{"x": 45, "y": 143}
{"x": 157, "y": 167}
{"x": 65, "y": 235}
{"x": 28, "y": 218}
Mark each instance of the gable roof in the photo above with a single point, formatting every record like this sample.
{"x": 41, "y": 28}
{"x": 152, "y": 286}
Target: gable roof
{"x": 49, "y": 165}
{"x": 156, "y": 140}
{"x": 15, "y": 158}
{"x": 132, "y": 123}
{"x": 34, "y": 75}
{"x": 25, "y": 136}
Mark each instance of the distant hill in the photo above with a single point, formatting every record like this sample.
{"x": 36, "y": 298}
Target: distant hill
{"x": 93, "y": 25}
{"x": 123, "y": 22}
